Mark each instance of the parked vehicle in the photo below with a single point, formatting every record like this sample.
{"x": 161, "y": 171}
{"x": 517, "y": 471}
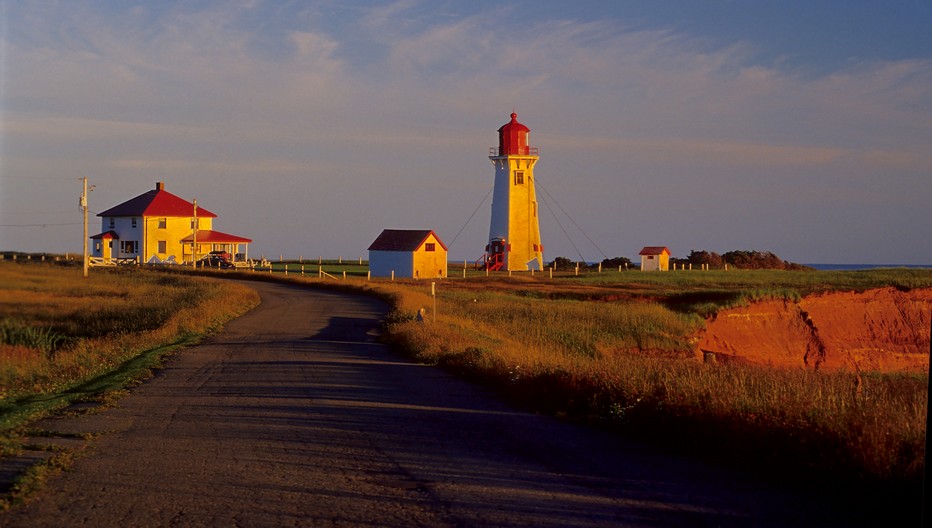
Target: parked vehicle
{"x": 216, "y": 259}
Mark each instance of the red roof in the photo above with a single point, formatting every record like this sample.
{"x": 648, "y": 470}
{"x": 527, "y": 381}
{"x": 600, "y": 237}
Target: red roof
{"x": 215, "y": 237}
{"x": 512, "y": 138}
{"x": 403, "y": 240}
{"x": 105, "y": 235}
{"x": 654, "y": 250}
{"x": 157, "y": 202}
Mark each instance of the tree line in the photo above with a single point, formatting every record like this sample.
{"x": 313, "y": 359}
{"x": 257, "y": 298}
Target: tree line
{"x": 741, "y": 259}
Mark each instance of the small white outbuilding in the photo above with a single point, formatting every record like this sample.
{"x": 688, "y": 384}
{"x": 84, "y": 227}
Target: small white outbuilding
{"x": 655, "y": 258}
{"x": 408, "y": 253}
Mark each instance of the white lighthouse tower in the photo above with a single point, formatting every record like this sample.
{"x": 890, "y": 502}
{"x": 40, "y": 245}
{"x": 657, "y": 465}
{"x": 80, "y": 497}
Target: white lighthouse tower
{"x": 514, "y": 232}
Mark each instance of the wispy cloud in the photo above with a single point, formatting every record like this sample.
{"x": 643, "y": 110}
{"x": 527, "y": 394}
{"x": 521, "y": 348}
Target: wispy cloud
{"x": 202, "y": 68}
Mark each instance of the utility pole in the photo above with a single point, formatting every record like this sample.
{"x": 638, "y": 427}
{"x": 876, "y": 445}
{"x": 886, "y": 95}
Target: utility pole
{"x": 83, "y": 204}
{"x": 194, "y": 246}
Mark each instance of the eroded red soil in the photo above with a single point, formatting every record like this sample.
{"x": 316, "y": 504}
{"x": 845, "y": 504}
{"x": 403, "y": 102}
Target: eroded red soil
{"x": 877, "y": 330}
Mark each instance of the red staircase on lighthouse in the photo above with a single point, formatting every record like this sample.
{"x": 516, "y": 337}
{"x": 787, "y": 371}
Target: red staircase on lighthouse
{"x": 494, "y": 257}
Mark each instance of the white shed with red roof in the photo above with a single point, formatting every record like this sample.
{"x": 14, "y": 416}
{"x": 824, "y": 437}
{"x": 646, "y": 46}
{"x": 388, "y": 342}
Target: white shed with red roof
{"x": 655, "y": 258}
{"x": 410, "y": 253}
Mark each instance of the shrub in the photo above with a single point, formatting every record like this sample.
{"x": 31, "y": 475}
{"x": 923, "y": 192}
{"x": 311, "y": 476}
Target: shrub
{"x": 16, "y": 333}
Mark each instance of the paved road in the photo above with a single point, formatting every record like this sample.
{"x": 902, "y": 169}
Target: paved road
{"x": 295, "y": 416}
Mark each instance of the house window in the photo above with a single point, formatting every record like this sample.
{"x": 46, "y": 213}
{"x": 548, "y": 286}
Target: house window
{"x": 162, "y": 246}
{"x": 163, "y": 223}
{"x": 519, "y": 177}
{"x": 430, "y": 246}
{"x": 128, "y": 246}
{"x": 112, "y": 222}
{"x": 134, "y": 222}
{"x": 650, "y": 257}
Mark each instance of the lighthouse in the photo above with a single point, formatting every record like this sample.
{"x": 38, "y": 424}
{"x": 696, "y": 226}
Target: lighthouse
{"x": 514, "y": 232}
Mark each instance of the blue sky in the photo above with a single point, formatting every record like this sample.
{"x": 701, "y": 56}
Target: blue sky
{"x": 802, "y": 128}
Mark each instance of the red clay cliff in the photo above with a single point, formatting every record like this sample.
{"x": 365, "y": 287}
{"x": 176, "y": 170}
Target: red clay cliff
{"x": 877, "y": 330}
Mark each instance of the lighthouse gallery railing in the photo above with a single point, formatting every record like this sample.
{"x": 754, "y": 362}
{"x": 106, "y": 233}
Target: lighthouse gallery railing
{"x": 531, "y": 151}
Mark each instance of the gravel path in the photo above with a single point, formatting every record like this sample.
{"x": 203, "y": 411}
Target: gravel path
{"x": 295, "y": 416}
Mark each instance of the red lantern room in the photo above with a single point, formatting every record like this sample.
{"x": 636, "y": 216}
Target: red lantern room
{"x": 512, "y": 138}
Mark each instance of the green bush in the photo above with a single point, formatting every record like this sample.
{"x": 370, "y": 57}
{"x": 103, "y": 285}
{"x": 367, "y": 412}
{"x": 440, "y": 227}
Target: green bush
{"x": 16, "y": 333}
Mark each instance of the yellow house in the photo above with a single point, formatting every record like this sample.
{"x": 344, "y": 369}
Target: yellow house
{"x": 158, "y": 227}
{"x": 655, "y": 258}
{"x": 410, "y": 253}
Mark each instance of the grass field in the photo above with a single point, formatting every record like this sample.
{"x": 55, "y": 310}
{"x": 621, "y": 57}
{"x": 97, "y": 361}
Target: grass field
{"x": 64, "y": 338}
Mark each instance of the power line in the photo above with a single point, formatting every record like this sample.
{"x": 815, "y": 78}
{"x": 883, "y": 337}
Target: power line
{"x": 555, "y": 217}
{"x": 41, "y": 225}
{"x": 571, "y": 220}
{"x": 35, "y": 177}
{"x": 472, "y": 215}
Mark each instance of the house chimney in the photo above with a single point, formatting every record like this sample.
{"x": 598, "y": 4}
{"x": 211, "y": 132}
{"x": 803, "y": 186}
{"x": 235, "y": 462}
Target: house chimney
{"x": 159, "y": 186}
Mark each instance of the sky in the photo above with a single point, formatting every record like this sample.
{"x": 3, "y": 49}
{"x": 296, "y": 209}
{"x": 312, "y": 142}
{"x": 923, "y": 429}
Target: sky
{"x": 798, "y": 127}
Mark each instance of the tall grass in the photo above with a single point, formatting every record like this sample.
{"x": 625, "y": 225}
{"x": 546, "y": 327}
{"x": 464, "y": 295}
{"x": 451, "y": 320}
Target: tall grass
{"x": 19, "y": 334}
{"x": 59, "y": 329}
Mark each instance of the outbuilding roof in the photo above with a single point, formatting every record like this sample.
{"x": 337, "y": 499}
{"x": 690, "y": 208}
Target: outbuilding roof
{"x": 157, "y": 202}
{"x": 403, "y": 240}
{"x": 654, "y": 250}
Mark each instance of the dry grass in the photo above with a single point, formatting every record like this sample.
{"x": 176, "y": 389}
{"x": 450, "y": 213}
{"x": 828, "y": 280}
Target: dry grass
{"x": 84, "y": 327}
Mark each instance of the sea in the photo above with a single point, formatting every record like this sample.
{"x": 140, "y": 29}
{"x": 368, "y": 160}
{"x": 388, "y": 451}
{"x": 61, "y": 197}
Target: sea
{"x": 855, "y": 267}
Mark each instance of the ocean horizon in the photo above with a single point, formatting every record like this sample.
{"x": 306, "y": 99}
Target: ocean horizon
{"x": 856, "y": 267}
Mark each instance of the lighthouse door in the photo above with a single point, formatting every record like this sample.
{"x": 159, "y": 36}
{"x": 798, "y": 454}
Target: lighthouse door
{"x": 495, "y": 254}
